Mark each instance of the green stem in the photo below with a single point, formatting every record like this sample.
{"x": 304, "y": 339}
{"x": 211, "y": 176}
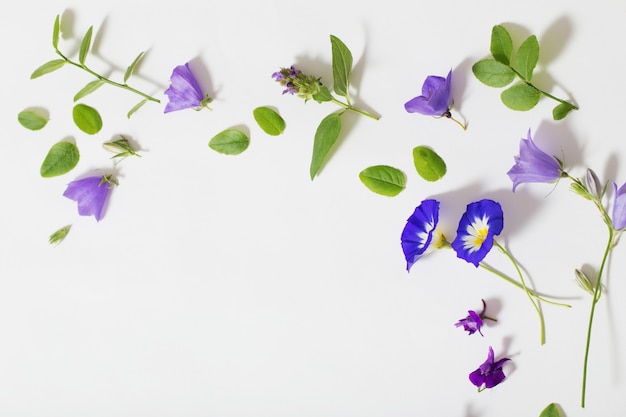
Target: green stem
{"x": 543, "y": 92}
{"x": 448, "y": 115}
{"x": 596, "y": 295}
{"x": 354, "y": 109}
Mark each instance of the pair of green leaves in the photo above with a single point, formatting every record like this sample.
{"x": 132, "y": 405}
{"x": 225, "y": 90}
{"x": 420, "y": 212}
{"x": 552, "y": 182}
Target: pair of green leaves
{"x": 505, "y": 67}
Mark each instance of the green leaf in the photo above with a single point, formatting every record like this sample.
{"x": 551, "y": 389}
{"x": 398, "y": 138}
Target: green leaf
{"x": 521, "y": 97}
{"x": 501, "y": 44}
{"x": 131, "y": 67}
{"x": 493, "y": 73}
{"x": 136, "y": 107}
{"x": 552, "y": 410}
{"x": 87, "y": 119}
{"x": 342, "y": 66}
{"x": 62, "y": 158}
{"x": 325, "y": 137}
{"x": 323, "y": 95}
{"x": 428, "y": 164}
{"x": 88, "y": 89}
{"x": 84, "y": 46}
{"x": 58, "y": 236}
{"x": 383, "y": 179}
{"x": 268, "y": 120}
{"x": 230, "y": 142}
{"x": 55, "y": 32}
{"x": 562, "y": 110}
{"x": 31, "y": 119}
{"x": 49, "y": 66}
{"x": 526, "y": 57}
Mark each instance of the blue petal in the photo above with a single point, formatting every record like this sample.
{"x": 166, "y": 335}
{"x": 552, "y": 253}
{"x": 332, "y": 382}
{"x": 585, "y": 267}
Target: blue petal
{"x": 479, "y": 224}
{"x": 418, "y": 231}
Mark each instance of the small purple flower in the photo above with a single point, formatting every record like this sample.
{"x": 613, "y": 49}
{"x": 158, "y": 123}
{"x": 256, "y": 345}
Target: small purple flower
{"x": 419, "y": 234}
{"x": 91, "y": 194}
{"x": 619, "y": 207}
{"x": 472, "y": 323}
{"x": 184, "y": 91}
{"x": 489, "y": 373}
{"x": 297, "y": 83}
{"x": 533, "y": 165}
{"x": 479, "y": 224}
{"x": 435, "y": 99}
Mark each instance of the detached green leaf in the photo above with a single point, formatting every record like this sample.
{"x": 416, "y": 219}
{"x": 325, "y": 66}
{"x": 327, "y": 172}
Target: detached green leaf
{"x": 87, "y": 119}
{"x": 323, "y": 95}
{"x": 526, "y": 57}
{"x": 383, "y": 179}
{"x": 136, "y": 107}
{"x": 551, "y": 410}
{"x": 493, "y": 73}
{"x": 501, "y": 44}
{"x": 49, "y": 66}
{"x": 325, "y": 137}
{"x": 428, "y": 164}
{"x": 84, "y": 46}
{"x": 562, "y": 110}
{"x": 268, "y": 120}
{"x": 88, "y": 89}
{"x": 342, "y": 66}
{"x": 520, "y": 97}
{"x": 62, "y": 158}
{"x": 131, "y": 67}
{"x": 55, "y": 32}
{"x": 58, "y": 236}
{"x": 230, "y": 142}
{"x": 31, "y": 119}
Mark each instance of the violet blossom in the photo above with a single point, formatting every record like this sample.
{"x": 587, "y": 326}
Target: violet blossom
{"x": 489, "y": 373}
{"x": 297, "y": 83}
{"x": 474, "y": 321}
{"x": 479, "y": 224}
{"x": 91, "y": 194}
{"x": 184, "y": 91}
{"x": 533, "y": 165}
{"x": 436, "y": 99}
{"x": 619, "y": 207}
{"x": 420, "y": 232}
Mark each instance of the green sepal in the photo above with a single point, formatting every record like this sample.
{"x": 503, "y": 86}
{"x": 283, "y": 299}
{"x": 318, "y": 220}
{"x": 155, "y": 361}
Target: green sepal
{"x": 58, "y": 236}
{"x": 88, "y": 89}
{"x": 552, "y": 410}
{"x": 55, "y": 32}
{"x": 428, "y": 164}
{"x": 342, "y": 66}
{"x": 527, "y": 57}
{"x": 269, "y": 120}
{"x": 323, "y": 95}
{"x": 230, "y": 142}
{"x": 48, "y": 67}
{"x": 521, "y": 97}
{"x": 31, "y": 119}
{"x": 325, "y": 137}
{"x": 131, "y": 67}
{"x": 493, "y": 73}
{"x": 501, "y": 44}
{"x": 84, "y": 46}
{"x": 87, "y": 119}
{"x": 383, "y": 179}
{"x": 61, "y": 158}
{"x": 136, "y": 107}
{"x": 562, "y": 110}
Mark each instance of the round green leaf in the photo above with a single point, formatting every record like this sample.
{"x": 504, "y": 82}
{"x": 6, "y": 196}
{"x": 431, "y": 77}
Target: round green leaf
{"x": 493, "y": 73}
{"x": 383, "y": 179}
{"x": 562, "y": 110}
{"x": 87, "y": 119}
{"x": 62, "y": 158}
{"x": 521, "y": 97}
{"x": 428, "y": 164}
{"x": 230, "y": 142}
{"x": 31, "y": 119}
{"x": 268, "y": 120}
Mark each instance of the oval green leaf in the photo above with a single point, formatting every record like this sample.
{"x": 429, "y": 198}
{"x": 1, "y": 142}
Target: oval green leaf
{"x": 62, "y": 158}
{"x": 49, "y": 66}
{"x": 342, "y": 66}
{"x": 85, "y": 45}
{"x": 562, "y": 110}
{"x": 526, "y": 57}
{"x": 428, "y": 164}
{"x": 552, "y": 410}
{"x": 87, "y": 119}
{"x": 501, "y": 44}
{"x": 230, "y": 142}
{"x": 493, "y": 73}
{"x": 269, "y": 120}
{"x": 88, "y": 89}
{"x": 383, "y": 179}
{"x": 323, "y": 95}
{"x": 325, "y": 137}
{"x": 55, "y": 32}
{"x": 520, "y": 97}
{"x": 32, "y": 120}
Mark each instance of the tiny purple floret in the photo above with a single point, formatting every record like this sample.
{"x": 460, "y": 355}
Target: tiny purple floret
{"x": 533, "y": 165}
{"x": 472, "y": 323}
{"x": 184, "y": 91}
{"x": 489, "y": 373}
{"x": 435, "y": 99}
{"x": 619, "y": 207}
{"x": 91, "y": 194}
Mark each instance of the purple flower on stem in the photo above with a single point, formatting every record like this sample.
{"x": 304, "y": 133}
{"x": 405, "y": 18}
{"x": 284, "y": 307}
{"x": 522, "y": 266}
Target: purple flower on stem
{"x": 91, "y": 194}
{"x": 479, "y": 224}
{"x": 474, "y": 321}
{"x": 533, "y": 165}
{"x": 489, "y": 373}
{"x": 184, "y": 91}
{"x": 297, "y": 83}
{"x": 420, "y": 232}
{"x": 435, "y": 100}
{"x": 619, "y": 207}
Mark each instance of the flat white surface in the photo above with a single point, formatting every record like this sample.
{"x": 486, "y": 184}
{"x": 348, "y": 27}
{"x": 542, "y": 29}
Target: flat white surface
{"x": 235, "y": 286}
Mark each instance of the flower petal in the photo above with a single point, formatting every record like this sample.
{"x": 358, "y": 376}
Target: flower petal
{"x": 533, "y": 165}
{"x": 619, "y": 207}
{"x": 479, "y": 224}
{"x": 418, "y": 231}
{"x": 91, "y": 194}
{"x": 184, "y": 91}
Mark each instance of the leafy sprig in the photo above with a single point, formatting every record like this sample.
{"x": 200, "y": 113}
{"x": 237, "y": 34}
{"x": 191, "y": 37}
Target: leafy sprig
{"x": 505, "y": 67}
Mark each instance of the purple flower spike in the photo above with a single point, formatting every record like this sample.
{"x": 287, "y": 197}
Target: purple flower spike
{"x": 417, "y": 236}
{"x": 472, "y": 323}
{"x": 184, "y": 91}
{"x": 619, "y": 207}
{"x": 489, "y": 373}
{"x": 435, "y": 99}
{"x": 533, "y": 165}
{"x": 91, "y": 194}
{"x": 479, "y": 224}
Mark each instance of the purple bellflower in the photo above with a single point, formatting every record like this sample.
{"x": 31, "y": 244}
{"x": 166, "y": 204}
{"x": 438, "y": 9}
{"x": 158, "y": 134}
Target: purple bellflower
{"x": 489, "y": 373}
{"x": 184, "y": 91}
{"x": 619, "y": 207}
{"x": 420, "y": 234}
{"x": 479, "y": 224}
{"x": 435, "y": 100}
{"x": 533, "y": 165}
{"x": 91, "y": 194}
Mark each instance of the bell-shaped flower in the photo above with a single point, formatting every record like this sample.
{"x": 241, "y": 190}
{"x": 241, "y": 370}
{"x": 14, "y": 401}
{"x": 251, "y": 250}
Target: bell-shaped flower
{"x": 533, "y": 165}
{"x": 420, "y": 234}
{"x": 619, "y": 207}
{"x": 184, "y": 91}
{"x": 435, "y": 99}
{"x": 490, "y": 373}
{"x": 91, "y": 194}
{"x": 479, "y": 224}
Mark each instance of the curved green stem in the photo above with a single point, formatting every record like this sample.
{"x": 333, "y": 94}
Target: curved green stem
{"x": 543, "y": 92}
{"x": 448, "y": 115}
{"x": 354, "y": 109}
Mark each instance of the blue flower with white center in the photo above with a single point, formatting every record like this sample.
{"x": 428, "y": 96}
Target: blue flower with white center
{"x": 420, "y": 233}
{"x": 479, "y": 224}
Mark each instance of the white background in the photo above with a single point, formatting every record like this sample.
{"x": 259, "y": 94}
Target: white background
{"x": 234, "y": 285}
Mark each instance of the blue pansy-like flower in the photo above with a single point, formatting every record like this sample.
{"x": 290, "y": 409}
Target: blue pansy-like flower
{"x": 479, "y": 224}
{"x": 184, "y": 91}
{"x": 619, "y": 207}
{"x": 533, "y": 165}
{"x": 490, "y": 373}
{"x": 420, "y": 232}
{"x": 91, "y": 194}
